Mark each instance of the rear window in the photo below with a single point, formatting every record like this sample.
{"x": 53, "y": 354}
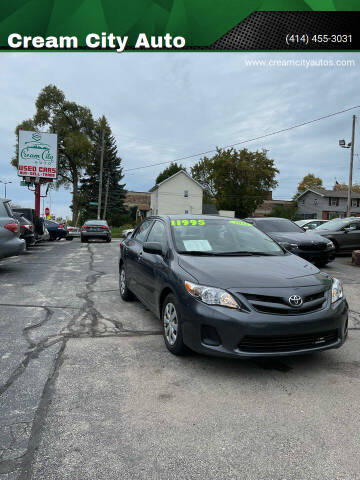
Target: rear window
{"x": 8, "y": 209}
{"x": 278, "y": 225}
{"x": 3, "y": 212}
{"x": 96, "y": 222}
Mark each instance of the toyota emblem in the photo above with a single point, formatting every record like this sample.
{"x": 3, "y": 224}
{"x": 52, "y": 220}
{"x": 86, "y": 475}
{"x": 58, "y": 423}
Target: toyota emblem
{"x": 295, "y": 301}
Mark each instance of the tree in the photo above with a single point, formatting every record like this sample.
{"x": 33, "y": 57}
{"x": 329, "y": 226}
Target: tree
{"x": 169, "y": 171}
{"x": 112, "y": 176}
{"x": 284, "y": 212}
{"x": 238, "y": 179}
{"x": 74, "y": 125}
{"x": 309, "y": 181}
{"x": 344, "y": 187}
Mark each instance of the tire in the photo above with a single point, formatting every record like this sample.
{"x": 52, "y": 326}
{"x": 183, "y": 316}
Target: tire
{"x": 84, "y": 240}
{"x": 108, "y": 240}
{"x": 125, "y": 293}
{"x": 172, "y": 330}
{"x": 69, "y": 239}
{"x": 322, "y": 264}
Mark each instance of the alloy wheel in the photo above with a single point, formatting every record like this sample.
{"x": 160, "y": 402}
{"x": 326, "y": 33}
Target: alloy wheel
{"x": 170, "y": 323}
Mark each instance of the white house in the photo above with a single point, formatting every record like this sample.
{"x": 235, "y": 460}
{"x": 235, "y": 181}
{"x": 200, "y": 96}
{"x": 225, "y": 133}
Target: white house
{"x": 176, "y": 195}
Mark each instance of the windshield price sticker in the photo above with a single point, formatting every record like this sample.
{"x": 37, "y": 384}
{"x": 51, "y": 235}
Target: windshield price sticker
{"x": 185, "y": 223}
{"x": 240, "y": 222}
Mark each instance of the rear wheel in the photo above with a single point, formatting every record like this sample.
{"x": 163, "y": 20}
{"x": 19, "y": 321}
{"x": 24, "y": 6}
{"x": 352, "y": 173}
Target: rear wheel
{"x": 125, "y": 293}
{"x": 108, "y": 240}
{"x": 172, "y": 331}
{"x": 84, "y": 240}
{"x": 69, "y": 239}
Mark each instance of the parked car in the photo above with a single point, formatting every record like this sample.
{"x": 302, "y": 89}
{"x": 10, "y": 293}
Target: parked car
{"x": 10, "y": 241}
{"x": 310, "y": 224}
{"x": 56, "y": 230}
{"x": 127, "y": 232}
{"x": 223, "y": 287}
{"x": 95, "y": 230}
{"x": 38, "y": 222}
{"x": 73, "y": 232}
{"x": 26, "y": 229}
{"x": 343, "y": 232}
{"x": 308, "y": 245}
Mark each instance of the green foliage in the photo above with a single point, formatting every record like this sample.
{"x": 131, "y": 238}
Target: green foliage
{"x": 74, "y": 125}
{"x": 238, "y": 179}
{"x": 289, "y": 212}
{"x": 309, "y": 181}
{"x": 169, "y": 171}
{"x": 116, "y": 213}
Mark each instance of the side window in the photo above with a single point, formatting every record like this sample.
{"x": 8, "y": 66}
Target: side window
{"x": 142, "y": 230}
{"x": 158, "y": 234}
{"x": 354, "y": 226}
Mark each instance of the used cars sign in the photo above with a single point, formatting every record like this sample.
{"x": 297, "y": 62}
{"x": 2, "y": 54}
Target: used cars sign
{"x": 37, "y": 154}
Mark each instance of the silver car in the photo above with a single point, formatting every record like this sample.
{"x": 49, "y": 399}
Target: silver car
{"x": 10, "y": 241}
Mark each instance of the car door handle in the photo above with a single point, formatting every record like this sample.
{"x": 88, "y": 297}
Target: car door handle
{"x": 139, "y": 256}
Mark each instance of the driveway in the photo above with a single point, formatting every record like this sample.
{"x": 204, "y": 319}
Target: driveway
{"x": 89, "y": 391}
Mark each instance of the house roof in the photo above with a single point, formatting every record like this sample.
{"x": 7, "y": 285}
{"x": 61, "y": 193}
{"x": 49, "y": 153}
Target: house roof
{"x": 172, "y": 176}
{"x": 322, "y": 192}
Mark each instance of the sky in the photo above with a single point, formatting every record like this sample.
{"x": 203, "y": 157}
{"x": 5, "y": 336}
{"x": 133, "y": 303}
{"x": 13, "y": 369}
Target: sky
{"x": 164, "y": 106}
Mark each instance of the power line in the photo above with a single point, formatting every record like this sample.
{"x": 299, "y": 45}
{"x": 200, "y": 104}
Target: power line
{"x": 245, "y": 141}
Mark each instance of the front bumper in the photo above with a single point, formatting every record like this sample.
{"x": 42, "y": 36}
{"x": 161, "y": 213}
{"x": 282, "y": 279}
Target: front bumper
{"x": 321, "y": 256}
{"x": 233, "y": 327}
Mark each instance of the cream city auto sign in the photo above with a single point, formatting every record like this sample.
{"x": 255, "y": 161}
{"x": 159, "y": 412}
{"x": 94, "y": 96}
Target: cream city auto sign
{"x": 37, "y": 154}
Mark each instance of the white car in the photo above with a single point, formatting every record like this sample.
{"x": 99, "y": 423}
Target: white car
{"x": 127, "y": 232}
{"x": 72, "y": 232}
{"x": 310, "y": 223}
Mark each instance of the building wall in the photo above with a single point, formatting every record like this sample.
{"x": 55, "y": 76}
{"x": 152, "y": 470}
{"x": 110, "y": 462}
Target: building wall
{"x": 169, "y": 197}
{"x": 133, "y": 199}
{"x": 311, "y": 203}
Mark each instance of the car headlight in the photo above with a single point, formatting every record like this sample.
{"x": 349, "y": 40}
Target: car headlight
{"x": 330, "y": 244}
{"x": 336, "y": 291}
{"x": 211, "y": 295}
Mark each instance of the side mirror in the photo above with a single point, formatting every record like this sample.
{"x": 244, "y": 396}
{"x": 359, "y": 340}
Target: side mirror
{"x": 286, "y": 246}
{"x": 153, "y": 247}
{"x": 347, "y": 230}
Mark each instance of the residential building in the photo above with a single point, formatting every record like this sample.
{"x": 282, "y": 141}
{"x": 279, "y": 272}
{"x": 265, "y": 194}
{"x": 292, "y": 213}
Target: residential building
{"x": 327, "y": 204}
{"x": 141, "y": 200}
{"x": 177, "y": 194}
{"x": 269, "y": 203}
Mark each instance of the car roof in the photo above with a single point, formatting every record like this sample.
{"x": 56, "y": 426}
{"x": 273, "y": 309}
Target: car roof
{"x": 188, "y": 215}
{"x": 256, "y": 219}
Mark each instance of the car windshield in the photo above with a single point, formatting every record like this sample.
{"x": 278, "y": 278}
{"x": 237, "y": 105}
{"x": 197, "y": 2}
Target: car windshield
{"x": 96, "y": 222}
{"x": 221, "y": 237}
{"x": 278, "y": 225}
{"x": 335, "y": 224}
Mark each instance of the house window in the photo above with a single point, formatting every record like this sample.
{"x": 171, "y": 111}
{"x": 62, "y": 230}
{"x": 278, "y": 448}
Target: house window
{"x": 186, "y": 193}
{"x": 355, "y": 202}
{"x": 334, "y": 201}
{"x": 186, "y": 211}
{"x": 302, "y": 202}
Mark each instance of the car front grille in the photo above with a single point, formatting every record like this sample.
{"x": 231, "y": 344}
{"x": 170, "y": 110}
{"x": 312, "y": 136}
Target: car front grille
{"x": 280, "y": 306}
{"x": 284, "y": 343}
{"x": 312, "y": 246}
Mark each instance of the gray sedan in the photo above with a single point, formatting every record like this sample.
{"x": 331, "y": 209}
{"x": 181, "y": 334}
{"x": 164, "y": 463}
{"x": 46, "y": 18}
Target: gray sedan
{"x": 10, "y": 241}
{"x": 343, "y": 232}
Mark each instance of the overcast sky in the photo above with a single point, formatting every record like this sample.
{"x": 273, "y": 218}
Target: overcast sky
{"x": 162, "y": 106}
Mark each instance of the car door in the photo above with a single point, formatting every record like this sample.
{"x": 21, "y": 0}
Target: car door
{"x": 133, "y": 255}
{"x": 352, "y": 237}
{"x": 153, "y": 267}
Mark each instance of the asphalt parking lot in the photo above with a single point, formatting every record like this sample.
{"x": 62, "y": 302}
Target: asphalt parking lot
{"x": 89, "y": 391}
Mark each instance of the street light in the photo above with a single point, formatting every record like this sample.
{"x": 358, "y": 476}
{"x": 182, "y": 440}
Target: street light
{"x": 342, "y": 144}
{"x": 5, "y": 183}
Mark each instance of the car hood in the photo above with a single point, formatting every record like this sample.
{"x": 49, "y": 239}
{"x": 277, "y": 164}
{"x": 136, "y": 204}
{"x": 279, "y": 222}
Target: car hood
{"x": 252, "y": 271}
{"x": 302, "y": 238}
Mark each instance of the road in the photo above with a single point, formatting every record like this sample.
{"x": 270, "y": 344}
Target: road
{"x": 89, "y": 391}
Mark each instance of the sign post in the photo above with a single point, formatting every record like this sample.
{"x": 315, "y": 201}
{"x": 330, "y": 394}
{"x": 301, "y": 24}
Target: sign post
{"x": 37, "y": 161}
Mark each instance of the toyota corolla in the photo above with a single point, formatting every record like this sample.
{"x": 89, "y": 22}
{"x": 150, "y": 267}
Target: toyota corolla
{"x": 220, "y": 286}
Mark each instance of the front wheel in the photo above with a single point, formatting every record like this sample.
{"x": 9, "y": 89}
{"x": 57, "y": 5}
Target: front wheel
{"x": 125, "y": 293}
{"x": 172, "y": 331}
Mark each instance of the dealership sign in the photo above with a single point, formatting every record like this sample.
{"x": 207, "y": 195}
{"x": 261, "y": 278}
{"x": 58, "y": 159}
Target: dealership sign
{"x": 37, "y": 154}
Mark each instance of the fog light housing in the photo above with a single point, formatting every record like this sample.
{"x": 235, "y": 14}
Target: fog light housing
{"x": 210, "y": 336}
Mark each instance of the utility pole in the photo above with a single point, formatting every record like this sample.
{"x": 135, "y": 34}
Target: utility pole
{"x": 101, "y": 173}
{"x": 106, "y": 197}
{"x": 348, "y": 213}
